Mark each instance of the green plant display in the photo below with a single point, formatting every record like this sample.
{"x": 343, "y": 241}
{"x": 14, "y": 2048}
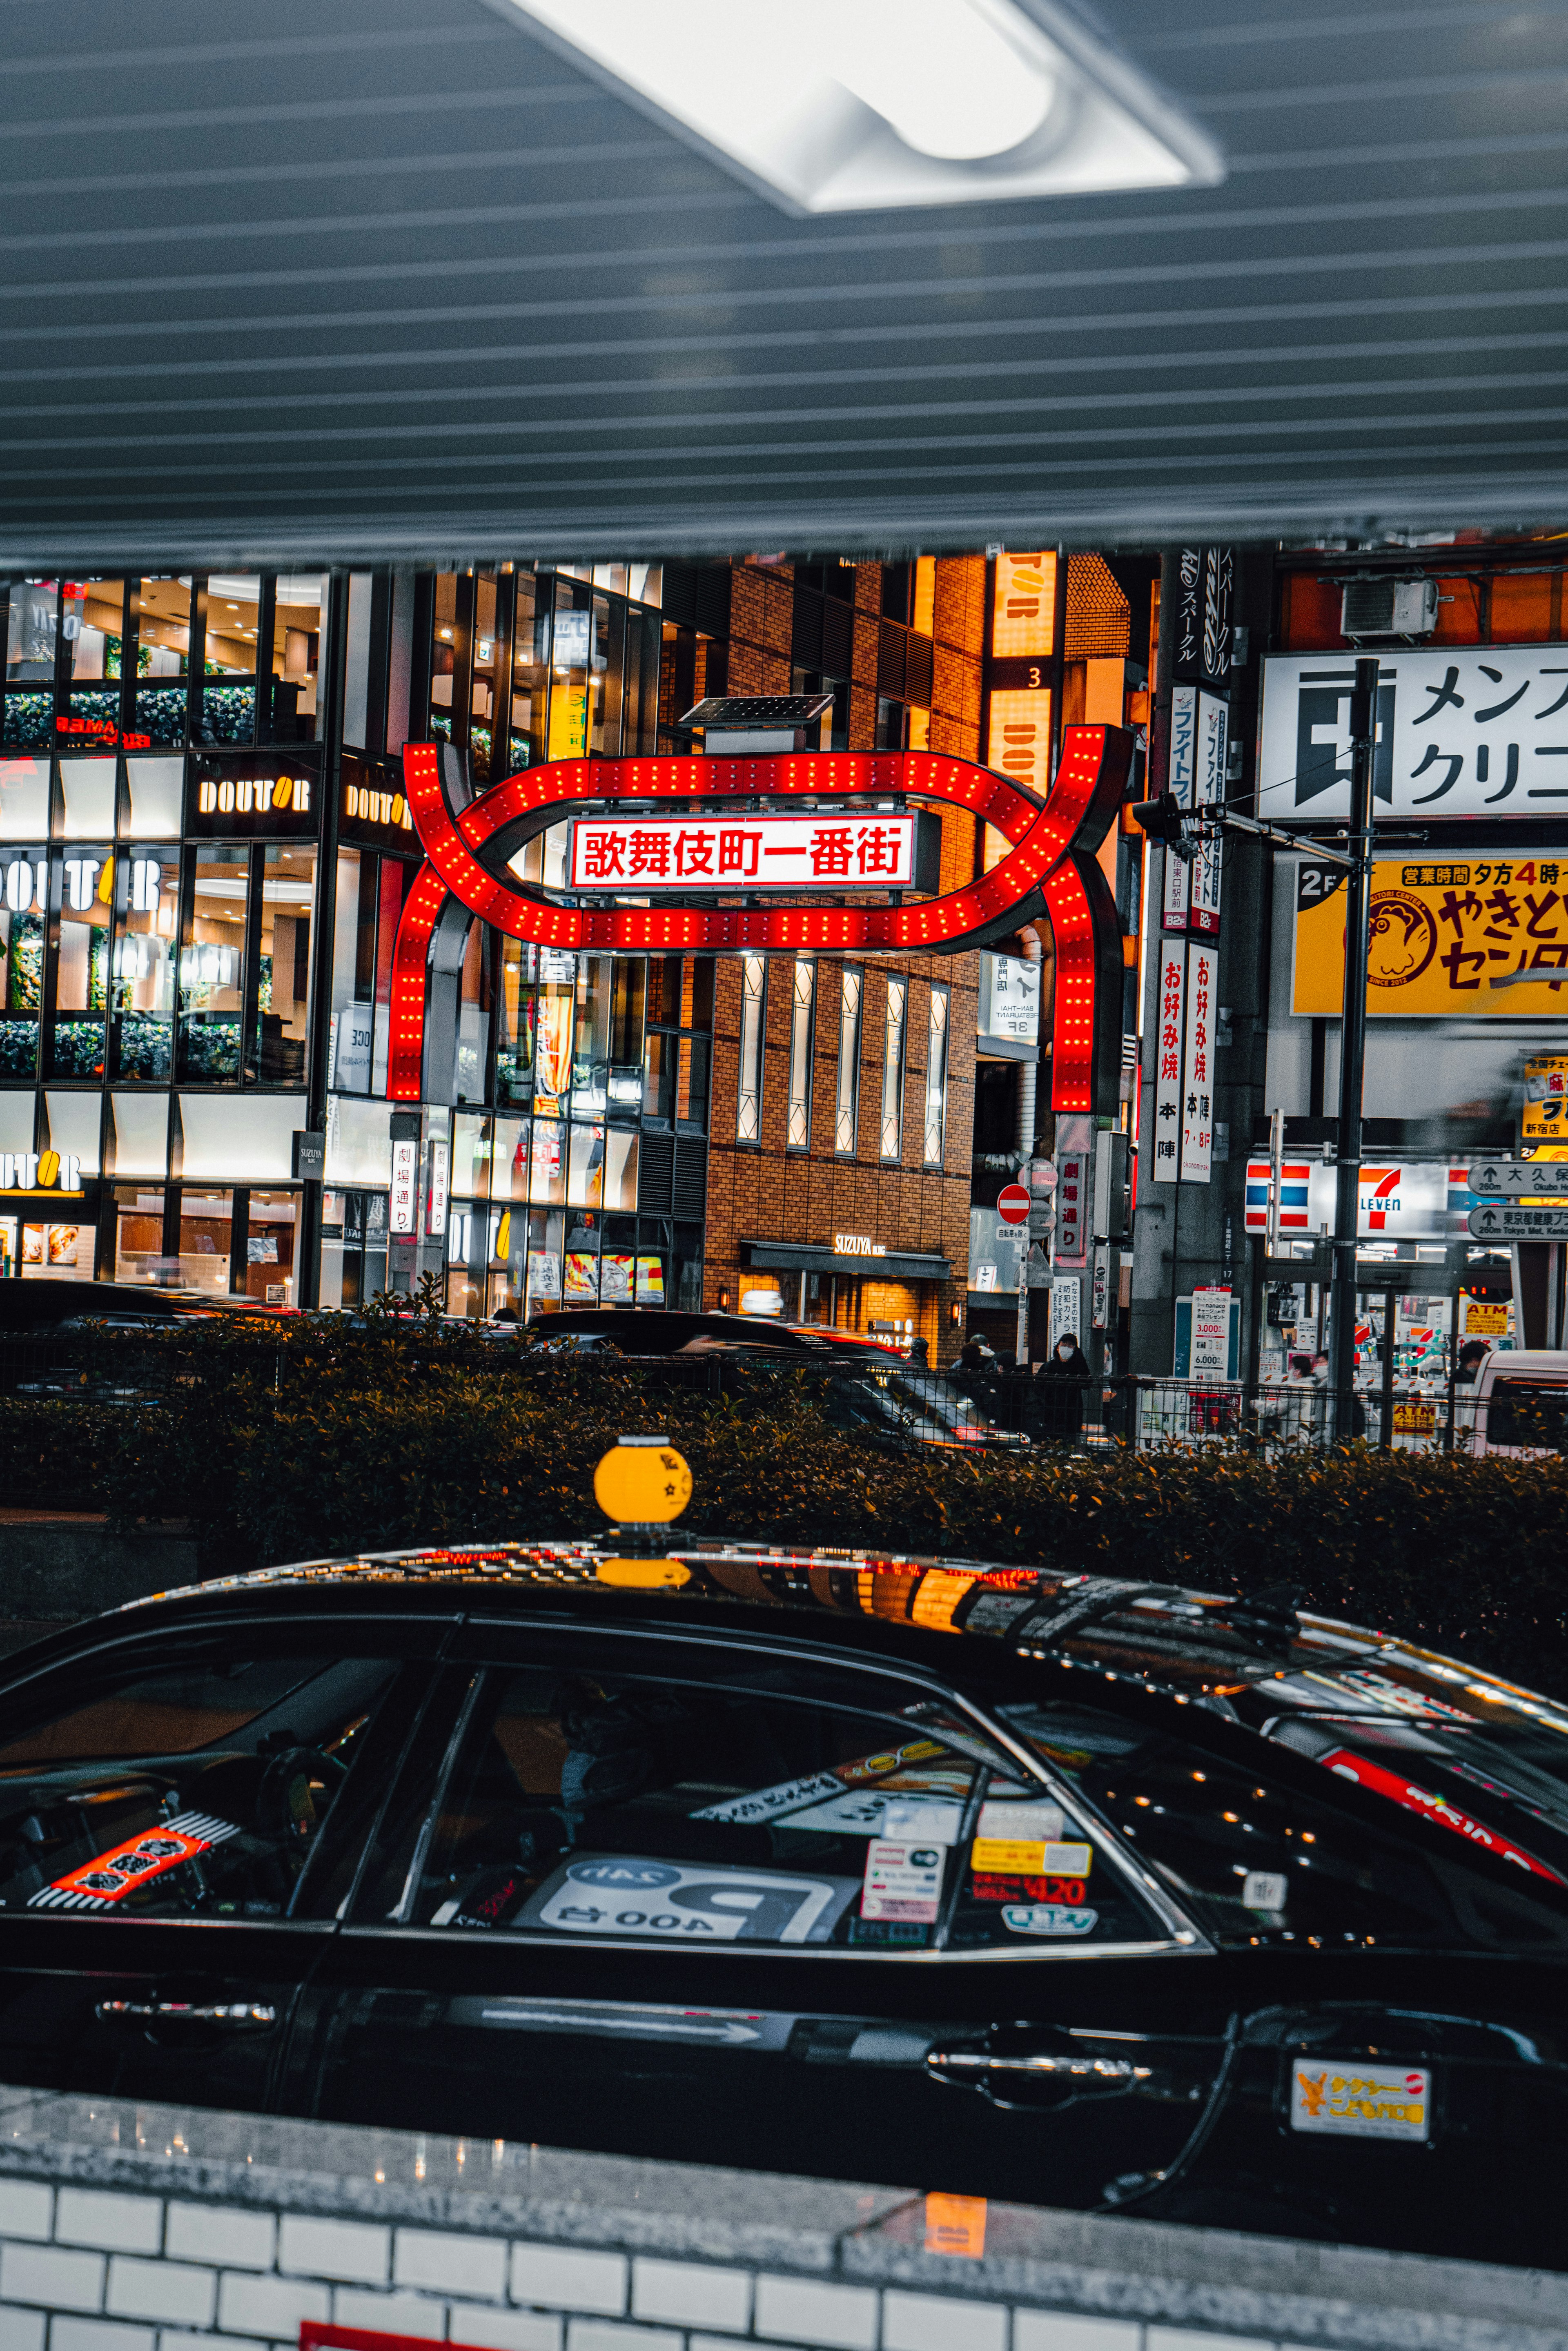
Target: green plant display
{"x": 24, "y": 964}
{"x": 18, "y": 1047}
{"x": 324, "y": 1438}
{"x": 161, "y": 711}
{"x": 75, "y": 1049}
{"x": 142, "y": 1046}
{"x": 209, "y": 1049}
{"x": 29, "y": 723}
{"x": 228, "y": 712}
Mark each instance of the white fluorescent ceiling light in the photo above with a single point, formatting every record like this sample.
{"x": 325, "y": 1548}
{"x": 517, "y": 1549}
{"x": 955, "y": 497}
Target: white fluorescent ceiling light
{"x": 831, "y": 106}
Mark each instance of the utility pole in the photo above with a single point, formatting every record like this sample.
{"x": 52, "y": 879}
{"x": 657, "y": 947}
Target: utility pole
{"x": 1353, "y": 1047}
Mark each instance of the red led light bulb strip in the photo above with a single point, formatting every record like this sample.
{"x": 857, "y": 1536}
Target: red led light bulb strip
{"x": 465, "y": 845}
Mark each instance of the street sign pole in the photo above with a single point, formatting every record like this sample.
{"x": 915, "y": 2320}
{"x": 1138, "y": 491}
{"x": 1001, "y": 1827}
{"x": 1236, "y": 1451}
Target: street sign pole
{"x": 1352, "y": 1045}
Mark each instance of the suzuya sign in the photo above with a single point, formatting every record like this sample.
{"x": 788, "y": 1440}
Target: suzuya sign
{"x": 1048, "y": 869}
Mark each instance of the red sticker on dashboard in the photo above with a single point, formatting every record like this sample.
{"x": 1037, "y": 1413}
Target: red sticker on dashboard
{"x": 98, "y": 1884}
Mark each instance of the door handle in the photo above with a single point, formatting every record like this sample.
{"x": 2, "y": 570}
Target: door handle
{"x": 237, "y": 2016}
{"x": 975, "y": 2065}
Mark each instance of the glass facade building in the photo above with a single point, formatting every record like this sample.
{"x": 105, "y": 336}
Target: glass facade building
{"x": 204, "y": 855}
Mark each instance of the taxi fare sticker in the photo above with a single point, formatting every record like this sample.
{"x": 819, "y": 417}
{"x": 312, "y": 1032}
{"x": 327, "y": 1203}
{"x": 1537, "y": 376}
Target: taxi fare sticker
{"x": 98, "y": 1884}
{"x": 1365, "y": 2103}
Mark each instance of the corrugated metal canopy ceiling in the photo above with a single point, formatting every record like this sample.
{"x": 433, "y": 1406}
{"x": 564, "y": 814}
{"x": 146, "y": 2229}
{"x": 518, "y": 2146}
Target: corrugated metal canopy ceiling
{"x": 395, "y": 280}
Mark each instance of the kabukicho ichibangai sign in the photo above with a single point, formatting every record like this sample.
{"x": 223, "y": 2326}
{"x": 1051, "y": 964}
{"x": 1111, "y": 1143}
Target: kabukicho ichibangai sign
{"x": 659, "y": 829}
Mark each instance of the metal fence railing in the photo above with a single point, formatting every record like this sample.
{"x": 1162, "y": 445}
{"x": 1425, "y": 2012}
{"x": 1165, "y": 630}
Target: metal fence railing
{"x": 883, "y": 1403}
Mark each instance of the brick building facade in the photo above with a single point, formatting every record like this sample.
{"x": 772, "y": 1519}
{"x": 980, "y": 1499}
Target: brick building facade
{"x": 763, "y": 1190}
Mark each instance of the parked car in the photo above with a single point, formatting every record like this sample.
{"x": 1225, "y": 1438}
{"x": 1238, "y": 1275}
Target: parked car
{"x": 66, "y": 1303}
{"x": 1082, "y": 1891}
{"x": 49, "y": 1343}
{"x": 873, "y": 1390}
{"x": 655, "y": 1331}
{"x": 1517, "y": 1405}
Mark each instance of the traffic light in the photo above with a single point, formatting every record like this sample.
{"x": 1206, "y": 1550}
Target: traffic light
{"x": 1161, "y": 819}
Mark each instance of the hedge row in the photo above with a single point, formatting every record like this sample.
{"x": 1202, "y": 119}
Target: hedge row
{"x": 365, "y": 1443}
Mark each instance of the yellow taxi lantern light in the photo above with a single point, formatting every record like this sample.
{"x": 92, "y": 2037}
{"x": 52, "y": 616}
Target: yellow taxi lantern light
{"x": 642, "y": 1483}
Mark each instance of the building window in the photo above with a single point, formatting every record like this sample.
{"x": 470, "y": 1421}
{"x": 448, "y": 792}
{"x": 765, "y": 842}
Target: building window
{"x": 847, "y": 1119}
{"x": 212, "y": 965}
{"x": 937, "y": 1079}
{"x": 893, "y": 1070}
{"x": 753, "y": 1028}
{"x": 800, "y": 1026}
{"x": 891, "y": 722}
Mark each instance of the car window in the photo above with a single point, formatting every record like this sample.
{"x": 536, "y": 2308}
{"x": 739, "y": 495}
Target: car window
{"x": 665, "y": 1809}
{"x": 194, "y": 1788}
{"x": 1254, "y": 1861}
{"x": 1528, "y": 1412}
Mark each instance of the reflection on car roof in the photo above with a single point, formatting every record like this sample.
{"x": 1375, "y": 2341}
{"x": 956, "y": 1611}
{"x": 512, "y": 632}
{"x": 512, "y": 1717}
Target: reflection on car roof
{"x": 1250, "y": 1658}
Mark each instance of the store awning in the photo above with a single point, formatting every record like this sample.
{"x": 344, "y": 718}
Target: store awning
{"x": 800, "y": 1257}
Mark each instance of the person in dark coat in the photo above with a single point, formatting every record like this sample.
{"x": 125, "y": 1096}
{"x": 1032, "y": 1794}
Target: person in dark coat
{"x": 1062, "y": 1414}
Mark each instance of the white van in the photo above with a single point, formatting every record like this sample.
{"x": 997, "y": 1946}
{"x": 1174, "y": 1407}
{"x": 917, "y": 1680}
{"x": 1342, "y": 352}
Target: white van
{"x": 1518, "y": 1406}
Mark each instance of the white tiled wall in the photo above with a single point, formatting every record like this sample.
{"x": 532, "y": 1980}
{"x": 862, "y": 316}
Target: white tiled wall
{"x": 94, "y": 2270}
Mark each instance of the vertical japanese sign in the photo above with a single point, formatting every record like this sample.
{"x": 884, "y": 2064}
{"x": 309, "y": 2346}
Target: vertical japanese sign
{"x": 1197, "y": 1070}
{"x": 1066, "y": 1318}
{"x": 435, "y": 1217}
{"x": 1183, "y": 774}
{"x": 1071, "y": 1206}
{"x": 404, "y": 1175}
{"x": 1213, "y": 741}
{"x": 1170, "y": 1020}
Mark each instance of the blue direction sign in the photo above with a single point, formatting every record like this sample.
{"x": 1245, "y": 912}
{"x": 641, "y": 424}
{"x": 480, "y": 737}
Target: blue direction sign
{"x": 1519, "y": 1180}
{"x": 1494, "y": 1221}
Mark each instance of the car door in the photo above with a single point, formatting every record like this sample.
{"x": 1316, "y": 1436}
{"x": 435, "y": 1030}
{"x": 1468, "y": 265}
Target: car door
{"x": 175, "y": 1807}
{"x": 734, "y": 1905}
{"x": 1398, "y": 2068}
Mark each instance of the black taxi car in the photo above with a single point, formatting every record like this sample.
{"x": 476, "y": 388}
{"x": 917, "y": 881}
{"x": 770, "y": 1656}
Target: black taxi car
{"x": 1076, "y": 1891}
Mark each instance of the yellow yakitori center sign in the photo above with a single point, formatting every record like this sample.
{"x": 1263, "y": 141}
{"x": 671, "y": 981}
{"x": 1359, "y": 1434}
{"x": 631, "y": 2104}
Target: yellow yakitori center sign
{"x": 1441, "y": 934}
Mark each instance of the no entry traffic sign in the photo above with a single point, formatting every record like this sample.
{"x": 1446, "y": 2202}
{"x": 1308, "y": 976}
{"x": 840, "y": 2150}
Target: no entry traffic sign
{"x": 1013, "y": 1204}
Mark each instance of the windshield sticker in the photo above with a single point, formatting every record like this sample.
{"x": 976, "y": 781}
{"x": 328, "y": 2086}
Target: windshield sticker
{"x": 99, "y": 1885}
{"x": 769, "y": 1803}
{"x": 902, "y": 1882}
{"x": 1384, "y": 2103}
{"x": 661, "y": 1901}
{"x": 986, "y": 1888}
{"x": 786, "y": 1796}
{"x": 1049, "y": 1918}
{"x": 1029, "y": 1820}
{"x": 876, "y": 1813}
{"x": 1417, "y": 1799}
{"x": 488, "y": 1902}
{"x": 1027, "y": 1857}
